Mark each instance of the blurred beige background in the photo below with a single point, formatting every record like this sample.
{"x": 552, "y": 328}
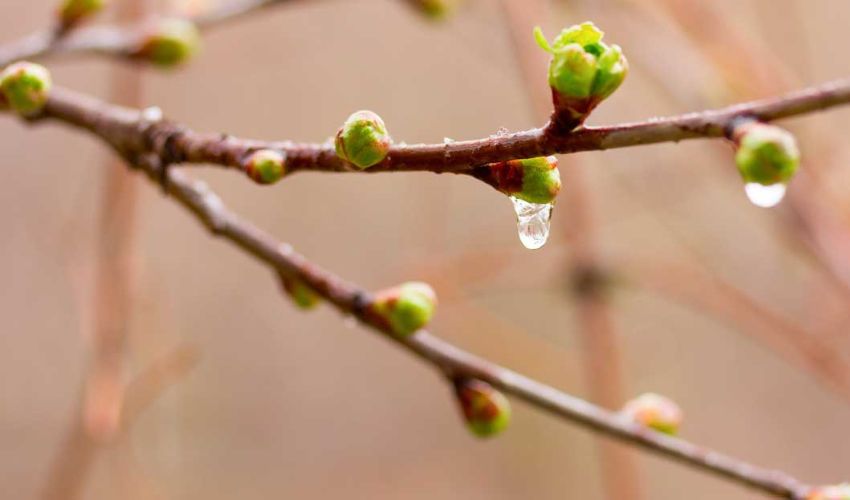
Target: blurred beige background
{"x": 284, "y": 404}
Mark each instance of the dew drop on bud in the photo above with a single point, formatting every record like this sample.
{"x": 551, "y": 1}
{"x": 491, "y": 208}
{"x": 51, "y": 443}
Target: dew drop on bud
{"x": 532, "y": 221}
{"x": 765, "y": 196}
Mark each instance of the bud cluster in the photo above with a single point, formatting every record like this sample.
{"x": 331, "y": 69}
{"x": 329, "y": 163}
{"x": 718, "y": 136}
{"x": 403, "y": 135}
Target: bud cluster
{"x": 583, "y": 71}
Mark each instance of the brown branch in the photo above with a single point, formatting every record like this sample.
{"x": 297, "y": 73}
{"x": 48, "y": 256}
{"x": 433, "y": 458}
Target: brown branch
{"x": 115, "y": 41}
{"x": 450, "y": 360}
{"x": 128, "y": 131}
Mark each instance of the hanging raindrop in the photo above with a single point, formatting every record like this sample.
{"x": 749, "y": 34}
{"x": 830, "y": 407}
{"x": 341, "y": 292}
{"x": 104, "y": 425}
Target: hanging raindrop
{"x": 532, "y": 221}
{"x": 765, "y": 196}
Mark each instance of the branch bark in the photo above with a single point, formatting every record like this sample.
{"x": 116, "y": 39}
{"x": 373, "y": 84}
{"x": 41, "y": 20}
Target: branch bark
{"x": 128, "y": 130}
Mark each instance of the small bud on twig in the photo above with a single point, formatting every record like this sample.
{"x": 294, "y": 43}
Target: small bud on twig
{"x": 363, "y": 139}
{"x": 302, "y": 295}
{"x": 265, "y": 166}
{"x": 72, "y": 12}
{"x": 583, "y": 71}
{"x": 836, "y": 492}
{"x": 535, "y": 180}
{"x": 435, "y": 9}
{"x": 766, "y": 154}
{"x": 25, "y": 87}
{"x": 486, "y": 410}
{"x": 170, "y": 42}
{"x": 655, "y": 411}
{"x": 406, "y": 308}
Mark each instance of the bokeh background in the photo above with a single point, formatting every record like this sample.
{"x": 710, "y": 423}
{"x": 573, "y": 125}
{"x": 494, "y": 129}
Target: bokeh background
{"x": 737, "y": 313}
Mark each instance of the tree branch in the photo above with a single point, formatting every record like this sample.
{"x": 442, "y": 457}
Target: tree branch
{"x": 450, "y": 360}
{"x": 114, "y": 41}
{"x": 129, "y": 131}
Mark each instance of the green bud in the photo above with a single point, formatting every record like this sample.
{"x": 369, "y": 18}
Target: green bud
{"x": 836, "y": 492}
{"x": 766, "y": 154}
{"x": 363, "y": 140}
{"x": 406, "y": 308}
{"x": 654, "y": 411}
{"x": 535, "y": 180}
{"x": 170, "y": 42}
{"x": 583, "y": 70}
{"x": 72, "y": 12}
{"x": 302, "y": 295}
{"x": 487, "y": 411}
{"x": 25, "y": 87}
{"x": 265, "y": 166}
{"x": 436, "y": 9}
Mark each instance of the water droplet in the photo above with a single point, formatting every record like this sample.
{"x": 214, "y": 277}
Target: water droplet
{"x": 532, "y": 220}
{"x": 765, "y": 196}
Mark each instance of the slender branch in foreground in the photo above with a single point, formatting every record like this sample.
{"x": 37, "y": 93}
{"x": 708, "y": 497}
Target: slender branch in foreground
{"x": 129, "y": 131}
{"x": 450, "y": 360}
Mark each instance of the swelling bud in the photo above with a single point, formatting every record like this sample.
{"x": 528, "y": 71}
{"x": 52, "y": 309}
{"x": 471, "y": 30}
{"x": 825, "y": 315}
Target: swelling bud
{"x": 533, "y": 180}
{"x": 302, "y": 295}
{"x": 487, "y": 411}
{"x": 405, "y": 308}
{"x": 72, "y": 12}
{"x": 265, "y": 166}
{"x": 766, "y": 154}
{"x": 656, "y": 412}
{"x": 170, "y": 42}
{"x": 25, "y": 87}
{"x": 363, "y": 140}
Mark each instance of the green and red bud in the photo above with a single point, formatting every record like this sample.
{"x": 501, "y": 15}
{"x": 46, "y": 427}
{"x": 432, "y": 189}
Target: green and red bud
{"x": 656, "y": 412}
{"x": 169, "y": 42}
{"x": 534, "y": 180}
{"x": 835, "y": 492}
{"x": 486, "y": 410}
{"x": 583, "y": 71}
{"x": 363, "y": 140}
{"x": 25, "y": 87}
{"x": 766, "y": 154}
{"x": 72, "y": 12}
{"x": 405, "y": 308}
{"x": 265, "y": 166}
{"x": 301, "y": 294}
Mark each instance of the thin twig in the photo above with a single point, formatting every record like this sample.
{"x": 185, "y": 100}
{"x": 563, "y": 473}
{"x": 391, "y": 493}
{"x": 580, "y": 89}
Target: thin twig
{"x": 127, "y": 130}
{"x": 115, "y": 41}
